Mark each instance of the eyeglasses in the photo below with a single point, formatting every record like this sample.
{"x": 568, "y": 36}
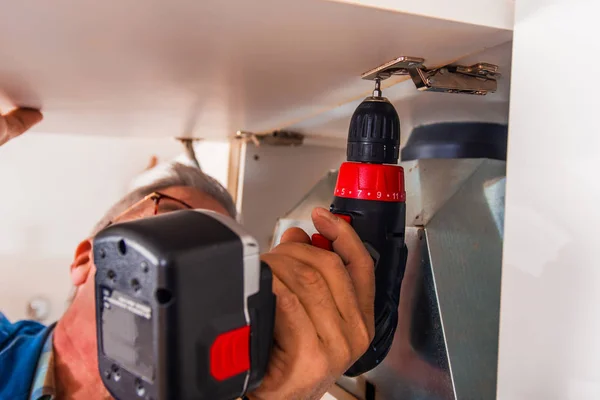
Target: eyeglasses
{"x": 162, "y": 202}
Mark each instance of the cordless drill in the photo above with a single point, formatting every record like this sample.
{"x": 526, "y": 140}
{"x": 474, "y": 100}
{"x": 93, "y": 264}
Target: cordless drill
{"x": 184, "y": 306}
{"x": 369, "y": 194}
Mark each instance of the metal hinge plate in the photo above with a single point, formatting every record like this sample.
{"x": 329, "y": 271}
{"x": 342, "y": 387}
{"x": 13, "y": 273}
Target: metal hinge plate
{"x": 276, "y": 138}
{"x": 478, "y": 79}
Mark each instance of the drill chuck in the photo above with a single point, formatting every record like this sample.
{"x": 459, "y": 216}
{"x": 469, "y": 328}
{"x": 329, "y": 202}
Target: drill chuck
{"x": 374, "y": 133}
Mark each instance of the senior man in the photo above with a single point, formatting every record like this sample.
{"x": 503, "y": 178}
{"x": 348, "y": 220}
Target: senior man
{"x": 324, "y": 310}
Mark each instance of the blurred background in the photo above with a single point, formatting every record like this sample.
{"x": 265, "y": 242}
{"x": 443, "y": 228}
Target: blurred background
{"x": 54, "y": 189}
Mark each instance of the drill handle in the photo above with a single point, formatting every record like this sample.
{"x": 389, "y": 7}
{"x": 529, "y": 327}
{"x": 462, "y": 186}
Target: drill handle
{"x": 381, "y": 227}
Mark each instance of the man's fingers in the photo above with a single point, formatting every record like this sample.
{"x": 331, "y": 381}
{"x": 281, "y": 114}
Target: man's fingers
{"x": 17, "y": 122}
{"x": 295, "y": 235}
{"x": 359, "y": 263}
{"x": 333, "y": 270}
{"x": 293, "y": 327}
{"x": 312, "y": 291}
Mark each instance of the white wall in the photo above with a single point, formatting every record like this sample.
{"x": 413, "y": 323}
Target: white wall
{"x": 53, "y": 189}
{"x": 550, "y": 312}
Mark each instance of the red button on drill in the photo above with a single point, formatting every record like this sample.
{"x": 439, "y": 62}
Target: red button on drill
{"x": 321, "y": 241}
{"x": 230, "y": 354}
{"x": 346, "y": 218}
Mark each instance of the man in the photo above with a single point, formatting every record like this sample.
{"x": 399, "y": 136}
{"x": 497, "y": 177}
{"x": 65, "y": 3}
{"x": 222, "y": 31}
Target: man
{"x": 324, "y": 309}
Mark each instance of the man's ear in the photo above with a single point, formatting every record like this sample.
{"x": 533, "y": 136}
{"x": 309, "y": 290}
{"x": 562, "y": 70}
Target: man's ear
{"x": 82, "y": 263}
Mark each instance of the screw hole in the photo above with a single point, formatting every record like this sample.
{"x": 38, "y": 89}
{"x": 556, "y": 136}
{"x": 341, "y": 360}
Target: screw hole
{"x": 163, "y": 296}
{"x": 135, "y": 284}
{"x": 111, "y": 274}
{"x": 122, "y": 247}
{"x": 139, "y": 388}
{"x": 116, "y": 373}
{"x": 144, "y": 266}
{"x": 256, "y": 157}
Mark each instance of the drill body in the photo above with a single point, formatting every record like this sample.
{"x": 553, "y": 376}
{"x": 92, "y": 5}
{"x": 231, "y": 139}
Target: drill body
{"x": 370, "y": 195}
{"x": 381, "y": 226}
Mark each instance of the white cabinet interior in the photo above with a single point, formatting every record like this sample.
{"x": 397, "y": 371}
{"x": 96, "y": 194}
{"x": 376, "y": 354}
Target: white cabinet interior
{"x": 209, "y": 68}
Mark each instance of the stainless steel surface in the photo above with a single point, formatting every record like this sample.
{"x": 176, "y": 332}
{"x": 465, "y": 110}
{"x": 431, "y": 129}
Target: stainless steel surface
{"x": 494, "y": 194}
{"x": 275, "y": 178}
{"x": 446, "y": 343}
{"x": 319, "y": 195}
{"x": 465, "y": 249}
{"x": 417, "y": 366}
{"x": 431, "y": 183}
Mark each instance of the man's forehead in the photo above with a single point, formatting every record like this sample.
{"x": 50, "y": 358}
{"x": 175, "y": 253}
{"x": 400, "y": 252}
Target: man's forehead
{"x": 195, "y": 198}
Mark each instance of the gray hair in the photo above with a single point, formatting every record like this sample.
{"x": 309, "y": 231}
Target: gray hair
{"x": 177, "y": 175}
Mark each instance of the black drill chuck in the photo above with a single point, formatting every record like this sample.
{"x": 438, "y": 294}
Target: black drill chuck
{"x": 374, "y": 133}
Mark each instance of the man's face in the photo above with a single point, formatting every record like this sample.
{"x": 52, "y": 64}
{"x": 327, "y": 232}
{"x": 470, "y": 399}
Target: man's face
{"x": 175, "y": 198}
{"x": 82, "y": 309}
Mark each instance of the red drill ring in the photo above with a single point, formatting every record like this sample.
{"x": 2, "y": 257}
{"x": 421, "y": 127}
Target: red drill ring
{"x": 377, "y": 182}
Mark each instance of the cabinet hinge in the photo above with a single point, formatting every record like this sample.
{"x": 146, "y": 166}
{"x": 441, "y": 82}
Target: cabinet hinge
{"x": 277, "y": 138}
{"x": 478, "y": 79}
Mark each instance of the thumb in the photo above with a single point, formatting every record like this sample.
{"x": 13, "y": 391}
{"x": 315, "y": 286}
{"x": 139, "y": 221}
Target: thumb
{"x": 295, "y": 235}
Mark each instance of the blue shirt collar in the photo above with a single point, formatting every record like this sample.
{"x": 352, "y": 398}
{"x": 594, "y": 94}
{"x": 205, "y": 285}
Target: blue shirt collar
{"x": 44, "y": 383}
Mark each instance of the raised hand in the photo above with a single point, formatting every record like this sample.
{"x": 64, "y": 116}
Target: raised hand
{"x": 16, "y": 122}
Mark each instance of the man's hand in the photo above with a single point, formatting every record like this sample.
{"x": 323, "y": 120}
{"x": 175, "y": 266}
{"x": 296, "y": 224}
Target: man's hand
{"x": 324, "y": 310}
{"x": 17, "y": 122}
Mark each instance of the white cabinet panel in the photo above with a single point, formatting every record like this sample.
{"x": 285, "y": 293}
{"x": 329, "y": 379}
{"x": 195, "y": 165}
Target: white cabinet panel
{"x": 493, "y": 13}
{"x": 209, "y": 68}
{"x": 550, "y": 314}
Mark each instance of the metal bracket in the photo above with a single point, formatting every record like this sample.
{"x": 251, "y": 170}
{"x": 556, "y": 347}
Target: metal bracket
{"x": 478, "y": 79}
{"x": 399, "y": 66}
{"x": 277, "y": 138}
